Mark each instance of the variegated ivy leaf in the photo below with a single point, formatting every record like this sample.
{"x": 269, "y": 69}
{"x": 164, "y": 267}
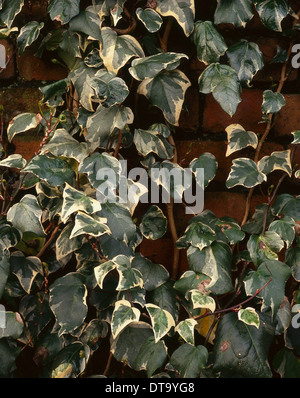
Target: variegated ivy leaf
{"x": 89, "y": 224}
{"x": 64, "y": 245}
{"x": 63, "y": 10}
{"x": 148, "y": 67}
{"x": 28, "y": 34}
{"x": 265, "y": 246}
{"x": 272, "y": 12}
{"x": 161, "y": 320}
{"x": 238, "y": 138}
{"x": 63, "y": 144}
{"x": 21, "y": 123}
{"x": 16, "y": 161}
{"x": 129, "y": 277}
{"x": 88, "y": 22}
{"x": 246, "y": 59}
{"x": 201, "y": 300}
{"x": 245, "y": 172}
{"x": 287, "y": 205}
{"x": 26, "y": 216}
{"x": 209, "y": 42}
{"x": 25, "y": 269}
{"x": 189, "y": 360}
{"x": 273, "y": 293}
{"x": 154, "y": 223}
{"x": 272, "y": 102}
{"x": 182, "y": 10}
{"x": 122, "y": 316}
{"x": 296, "y": 135}
{"x": 102, "y": 124}
{"x": 279, "y": 160}
{"x": 297, "y": 173}
{"x": 208, "y": 162}
{"x": 150, "y": 141}
{"x": 231, "y": 229}
{"x": 74, "y": 200}
{"x": 154, "y": 275}
{"x": 185, "y": 329}
{"x": 116, "y": 50}
{"x": 71, "y": 361}
{"x": 9, "y": 11}
{"x": 150, "y": 18}
{"x": 226, "y": 91}
{"x": 14, "y": 325}
{"x": 236, "y": 12}
{"x": 198, "y": 235}
{"x": 249, "y": 316}
{"x": 166, "y": 91}
{"x": 285, "y": 228}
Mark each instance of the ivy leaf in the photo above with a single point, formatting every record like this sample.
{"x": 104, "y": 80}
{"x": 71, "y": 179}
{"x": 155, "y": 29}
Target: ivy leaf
{"x": 215, "y": 262}
{"x": 292, "y": 259}
{"x": 280, "y": 160}
{"x": 222, "y": 81}
{"x": 198, "y": 235}
{"x": 70, "y": 362}
{"x": 28, "y": 34}
{"x": 116, "y": 50}
{"x": 238, "y": 138}
{"x": 182, "y": 10}
{"x": 161, "y": 320}
{"x": 154, "y": 275}
{"x": 296, "y": 135}
{"x": 26, "y": 215}
{"x": 4, "y": 269}
{"x": 21, "y": 123}
{"x": 189, "y": 360}
{"x": 242, "y": 350}
{"x": 89, "y": 224}
{"x": 150, "y": 141}
{"x": 25, "y": 269}
{"x": 117, "y": 10}
{"x": 88, "y": 22}
{"x": 62, "y": 144}
{"x": 285, "y": 228}
{"x": 273, "y": 293}
{"x": 154, "y": 223}
{"x": 287, "y": 205}
{"x": 236, "y": 12}
{"x": 151, "y": 356}
{"x": 123, "y": 314}
{"x": 246, "y": 59}
{"x": 272, "y": 102}
{"x": 13, "y": 325}
{"x": 9, "y": 236}
{"x": 74, "y": 200}
{"x": 209, "y": 42}
{"x": 264, "y": 247}
{"x": 245, "y": 172}
{"x": 202, "y": 300}
{"x": 272, "y": 12}
{"x": 54, "y": 171}
{"x": 148, "y": 67}
{"x": 287, "y": 364}
{"x": 190, "y": 280}
{"x": 9, "y": 11}
{"x": 231, "y": 229}
{"x": 63, "y": 10}
{"x": 15, "y": 161}
{"x": 68, "y": 302}
{"x": 185, "y": 329}
{"x": 249, "y": 316}
{"x": 64, "y": 245}
{"x": 150, "y": 18}
{"x": 208, "y": 162}
{"x": 166, "y": 91}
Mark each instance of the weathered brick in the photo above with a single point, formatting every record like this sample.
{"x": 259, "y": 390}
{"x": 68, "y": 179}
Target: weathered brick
{"x": 27, "y": 144}
{"x": 9, "y": 71}
{"x": 288, "y": 119}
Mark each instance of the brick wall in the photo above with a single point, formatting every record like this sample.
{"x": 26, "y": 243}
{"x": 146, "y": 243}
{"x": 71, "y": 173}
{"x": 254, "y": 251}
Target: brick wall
{"x": 202, "y": 124}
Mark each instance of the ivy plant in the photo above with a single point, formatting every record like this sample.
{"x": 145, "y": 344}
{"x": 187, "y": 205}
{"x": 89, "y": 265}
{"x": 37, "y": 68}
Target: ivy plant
{"x": 78, "y": 297}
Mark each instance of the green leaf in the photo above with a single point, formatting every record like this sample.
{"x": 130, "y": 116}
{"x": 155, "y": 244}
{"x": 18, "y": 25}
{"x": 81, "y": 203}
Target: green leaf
{"x": 287, "y": 205}
{"x": 264, "y": 247}
{"x": 182, "y": 10}
{"x": 236, "y": 12}
{"x": 28, "y": 34}
{"x": 190, "y": 280}
{"x": 15, "y": 161}
{"x": 54, "y": 171}
{"x": 116, "y": 50}
{"x": 154, "y": 223}
{"x": 154, "y": 275}
{"x": 198, "y": 235}
{"x": 123, "y": 314}
{"x": 9, "y": 236}
{"x": 215, "y": 262}
{"x": 273, "y": 293}
{"x": 238, "y": 138}
{"x": 272, "y": 12}
{"x": 201, "y": 300}
{"x": 255, "y": 224}
{"x": 74, "y": 200}
{"x": 150, "y": 18}
{"x": 94, "y": 334}
{"x": 161, "y": 320}
{"x": 26, "y": 216}
{"x": 88, "y": 22}
{"x": 279, "y": 160}
{"x": 70, "y": 362}
{"x": 25, "y": 269}
{"x": 246, "y": 59}
{"x": 9, "y": 11}
{"x": 148, "y": 67}
{"x": 22, "y": 123}
{"x": 209, "y": 42}
{"x": 9, "y": 354}
{"x": 208, "y": 162}
{"x": 287, "y": 364}
{"x": 4, "y": 270}
{"x": 63, "y": 144}
{"x": 13, "y": 325}
{"x": 292, "y": 259}
{"x": 222, "y": 81}
{"x": 296, "y": 135}
{"x": 64, "y": 245}
{"x": 185, "y": 329}
{"x": 164, "y": 296}
{"x": 231, "y": 229}
{"x": 90, "y": 225}
{"x": 54, "y": 91}
{"x": 189, "y": 360}
{"x": 272, "y": 102}
{"x": 150, "y": 141}
{"x": 242, "y": 350}
{"x": 68, "y": 302}
{"x": 151, "y": 356}
{"x": 245, "y": 172}
{"x": 249, "y": 316}
{"x": 63, "y": 10}
{"x": 166, "y": 91}
{"x": 285, "y": 228}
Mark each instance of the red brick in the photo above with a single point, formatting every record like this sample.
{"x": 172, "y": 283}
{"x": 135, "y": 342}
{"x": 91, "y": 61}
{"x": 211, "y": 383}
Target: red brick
{"x": 9, "y": 71}
{"x": 288, "y": 119}
{"x": 27, "y": 144}
{"x": 248, "y": 113}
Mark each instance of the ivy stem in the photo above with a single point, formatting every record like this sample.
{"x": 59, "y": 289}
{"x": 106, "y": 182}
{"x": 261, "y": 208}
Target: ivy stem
{"x": 49, "y": 241}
